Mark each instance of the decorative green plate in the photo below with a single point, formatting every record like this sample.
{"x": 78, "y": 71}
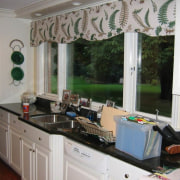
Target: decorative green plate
{"x": 17, "y": 74}
{"x": 17, "y": 57}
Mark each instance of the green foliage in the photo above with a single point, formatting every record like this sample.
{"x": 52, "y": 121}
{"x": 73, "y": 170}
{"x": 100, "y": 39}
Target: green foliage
{"x": 154, "y": 82}
{"x": 50, "y": 30}
{"x": 68, "y": 30}
{"x": 158, "y": 30}
{"x": 112, "y": 25}
{"x": 100, "y": 61}
{"x": 101, "y": 25}
{"x": 162, "y": 15}
{"x": 124, "y": 14}
{"x": 171, "y": 24}
{"x": 106, "y": 14}
{"x": 154, "y": 6}
{"x": 157, "y": 52}
{"x": 147, "y": 18}
{"x": 76, "y": 26}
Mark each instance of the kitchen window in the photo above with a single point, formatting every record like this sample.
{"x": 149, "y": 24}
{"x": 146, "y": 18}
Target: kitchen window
{"x": 51, "y": 68}
{"x": 114, "y": 69}
{"x": 95, "y": 69}
{"x": 155, "y": 74}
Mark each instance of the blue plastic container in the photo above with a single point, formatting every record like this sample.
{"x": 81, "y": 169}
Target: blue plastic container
{"x": 139, "y": 141}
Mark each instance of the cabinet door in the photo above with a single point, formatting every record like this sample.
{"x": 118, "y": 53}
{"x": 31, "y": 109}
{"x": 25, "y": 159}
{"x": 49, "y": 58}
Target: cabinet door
{"x": 42, "y": 157}
{"x": 27, "y": 160}
{"x": 15, "y": 150}
{"x": 75, "y": 170}
{"x": 4, "y": 142}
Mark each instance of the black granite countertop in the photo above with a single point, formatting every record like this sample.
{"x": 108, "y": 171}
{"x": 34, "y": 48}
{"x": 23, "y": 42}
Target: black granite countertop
{"x": 152, "y": 165}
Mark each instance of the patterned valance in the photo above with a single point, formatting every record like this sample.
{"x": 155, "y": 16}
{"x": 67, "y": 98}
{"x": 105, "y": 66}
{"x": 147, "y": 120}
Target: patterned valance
{"x": 152, "y": 17}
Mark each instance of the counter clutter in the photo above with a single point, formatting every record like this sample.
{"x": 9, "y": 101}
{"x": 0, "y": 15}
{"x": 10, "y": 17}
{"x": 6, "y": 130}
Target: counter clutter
{"x": 156, "y": 164}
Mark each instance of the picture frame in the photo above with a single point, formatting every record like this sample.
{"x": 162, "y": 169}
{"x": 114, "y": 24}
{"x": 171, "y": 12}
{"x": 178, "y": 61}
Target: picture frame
{"x": 110, "y": 103}
{"x": 63, "y": 107}
{"x": 85, "y": 102}
{"x": 66, "y": 96}
{"x": 74, "y": 99}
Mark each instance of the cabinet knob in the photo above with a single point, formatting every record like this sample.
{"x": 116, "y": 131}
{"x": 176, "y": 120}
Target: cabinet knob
{"x": 126, "y": 176}
{"x": 24, "y": 131}
{"x": 40, "y": 139}
{"x": 14, "y": 121}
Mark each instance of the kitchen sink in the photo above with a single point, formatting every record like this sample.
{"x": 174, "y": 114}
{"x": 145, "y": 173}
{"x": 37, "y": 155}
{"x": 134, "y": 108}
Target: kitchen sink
{"x": 50, "y": 118}
{"x": 55, "y": 121}
{"x": 62, "y": 125}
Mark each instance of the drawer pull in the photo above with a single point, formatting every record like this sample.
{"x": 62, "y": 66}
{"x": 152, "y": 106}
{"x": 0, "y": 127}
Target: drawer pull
{"x": 40, "y": 139}
{"x": 24, "y": 131}
{"x": 126, "y": 176}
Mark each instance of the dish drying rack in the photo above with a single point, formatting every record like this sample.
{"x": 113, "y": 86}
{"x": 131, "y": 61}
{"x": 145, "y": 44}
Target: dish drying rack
{"x": 94, "y": 129}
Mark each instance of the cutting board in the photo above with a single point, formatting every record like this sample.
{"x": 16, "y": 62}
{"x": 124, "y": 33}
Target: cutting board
{"x": 107, "y": 118}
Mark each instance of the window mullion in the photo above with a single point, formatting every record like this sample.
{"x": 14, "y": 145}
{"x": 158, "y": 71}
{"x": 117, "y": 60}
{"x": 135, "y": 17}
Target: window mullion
{"x": 130, "y": 61}
{"x": 40, "y": 81}
{"x": 62, "y": 73}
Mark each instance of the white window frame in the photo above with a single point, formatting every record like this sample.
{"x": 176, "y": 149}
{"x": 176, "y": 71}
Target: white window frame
{"x": 129, "y": 86}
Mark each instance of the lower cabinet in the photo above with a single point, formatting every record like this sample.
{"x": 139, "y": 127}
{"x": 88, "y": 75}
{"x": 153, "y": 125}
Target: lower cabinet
{"x": 28, "y": 162}
{"x": 37, "y": 155}
{"x": 4, "y": 142}
{"x": 120, "y": 170}
{"x": 15, "y": 150}
{"x": 30, "y": 150}
{"x": 4, "y": 135}
{"x": 42, "y": 162}
{"x": 35, "y": 161}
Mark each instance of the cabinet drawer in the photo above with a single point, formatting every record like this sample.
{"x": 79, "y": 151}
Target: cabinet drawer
{"x": 121, "y": 170}
{"x": 14, "y": 122}
{"x": 4, "y": 116}
{"x": 35, "y": 135}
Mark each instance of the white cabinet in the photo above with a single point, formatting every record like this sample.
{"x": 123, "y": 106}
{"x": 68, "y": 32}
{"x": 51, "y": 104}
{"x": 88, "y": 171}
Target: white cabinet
{"x": 75, "y": 170}
{"x": 81, "y": 162}
{"x": 15, "y": 143}
{"x": 32, "y": 153}
{"x": 28, "y": 160}
{"x": 120, "y": 170}
{"x": 35, "y": 161}
{"x": 4, "y": 135}
{"x": 4, "y": 142}
{"x": 36, "y": 154}
{"x": 42, "y": 161}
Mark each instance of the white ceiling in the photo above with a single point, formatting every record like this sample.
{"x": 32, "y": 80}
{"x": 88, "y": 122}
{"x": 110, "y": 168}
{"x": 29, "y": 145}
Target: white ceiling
{"x": 28, "y": 8}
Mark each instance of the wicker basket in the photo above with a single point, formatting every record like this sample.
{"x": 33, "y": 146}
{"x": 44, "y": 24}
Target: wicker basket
{"x": 94, "y": 129}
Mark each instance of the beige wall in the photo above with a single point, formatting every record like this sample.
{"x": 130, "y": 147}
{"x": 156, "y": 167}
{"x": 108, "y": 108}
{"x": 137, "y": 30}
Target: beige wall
{"x": 14, "y": 28}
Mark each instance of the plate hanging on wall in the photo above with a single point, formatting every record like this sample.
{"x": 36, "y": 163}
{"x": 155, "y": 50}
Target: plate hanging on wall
{"x": 17, "y": 73}
{"x": 17, "y": 57}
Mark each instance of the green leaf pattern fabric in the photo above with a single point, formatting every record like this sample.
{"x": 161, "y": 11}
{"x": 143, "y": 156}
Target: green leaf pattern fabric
{"x": 152, "y": 17}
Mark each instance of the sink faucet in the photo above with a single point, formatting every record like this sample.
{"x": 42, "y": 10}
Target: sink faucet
{"x": 157, "y": 113}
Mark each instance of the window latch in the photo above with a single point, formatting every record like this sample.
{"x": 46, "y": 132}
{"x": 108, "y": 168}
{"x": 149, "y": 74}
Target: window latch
{"x": 132, "y": 70}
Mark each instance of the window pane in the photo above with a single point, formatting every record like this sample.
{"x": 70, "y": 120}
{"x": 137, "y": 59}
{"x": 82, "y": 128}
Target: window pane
{"x": 51, "y": 68}
{"x": 155, "y": 74}
{"x": 95, "y": 69}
